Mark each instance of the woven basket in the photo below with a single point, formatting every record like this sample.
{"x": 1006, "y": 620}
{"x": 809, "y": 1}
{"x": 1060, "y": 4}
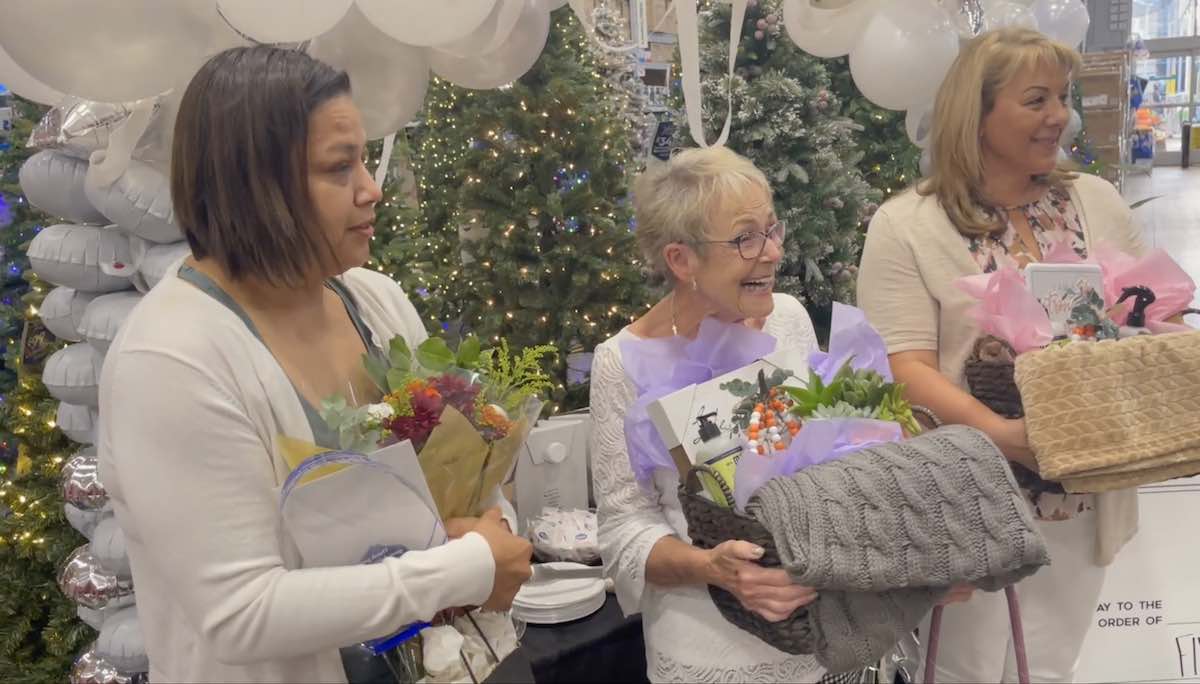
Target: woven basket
{"x": 993, "y": 383}
{"x": 710, "y": 524}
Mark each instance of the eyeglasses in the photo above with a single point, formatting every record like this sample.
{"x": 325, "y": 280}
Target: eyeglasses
{"x": 751, "y": 245}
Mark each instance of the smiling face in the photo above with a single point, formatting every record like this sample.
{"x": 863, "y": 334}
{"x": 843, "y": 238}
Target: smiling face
{"x": 1021, "y": 133}
{"x": 732, "y": 287}
{"x": 342, "y": 191}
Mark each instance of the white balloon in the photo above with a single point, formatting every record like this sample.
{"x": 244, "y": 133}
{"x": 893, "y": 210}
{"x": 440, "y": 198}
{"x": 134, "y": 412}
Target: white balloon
{"x": 389, "y": 78}
{"x": 54, "y": 183}
{"x": 78, "y": 423}
{"x": 904, "y": 53}
{"x": 1000, "y": 13}
{"x": 420, "y": 22}
{"x": 503, "y": 65}
{"x": 113, "y": 50}
{"x": 926, "y": 162}
{"x": 20, "y": 82}
{"x": 120, "y": 641}
{"x": 62, "y": 312}
{"x": 108, "y": 546}
{"x": 551, "y": 5}
{"x": 491, "y": 34}
{"x": 918, "y": 123}
{"x": 1063, "y": 20}
{"x": 825, "y": 31}
{"x": 139, "y": 201}
{"x": 271, "y": 22}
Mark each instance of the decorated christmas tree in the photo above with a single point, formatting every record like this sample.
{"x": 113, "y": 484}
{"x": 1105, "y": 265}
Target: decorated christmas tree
{"x": 40, "y": 633}
{"x": 890, "y": 161}
{"x": 788, "y": 120}
{"x": 524, "y": 230}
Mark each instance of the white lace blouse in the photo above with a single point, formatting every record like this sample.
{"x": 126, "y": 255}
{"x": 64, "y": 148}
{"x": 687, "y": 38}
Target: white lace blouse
{"x": 686, "y": 637}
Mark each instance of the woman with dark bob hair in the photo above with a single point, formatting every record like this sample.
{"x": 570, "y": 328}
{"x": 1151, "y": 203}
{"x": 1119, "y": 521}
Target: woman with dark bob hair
{"x": 233, "y": 349}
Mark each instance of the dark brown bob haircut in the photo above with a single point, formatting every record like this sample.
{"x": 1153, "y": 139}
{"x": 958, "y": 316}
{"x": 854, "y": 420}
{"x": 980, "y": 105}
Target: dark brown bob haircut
{"x": 239, "y": 162}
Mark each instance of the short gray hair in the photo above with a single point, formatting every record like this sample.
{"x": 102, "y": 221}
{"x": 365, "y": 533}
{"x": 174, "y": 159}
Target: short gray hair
{"x": 672, "y": 201}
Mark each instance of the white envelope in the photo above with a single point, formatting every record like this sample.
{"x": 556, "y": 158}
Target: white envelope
{"x": 337, "y": 519}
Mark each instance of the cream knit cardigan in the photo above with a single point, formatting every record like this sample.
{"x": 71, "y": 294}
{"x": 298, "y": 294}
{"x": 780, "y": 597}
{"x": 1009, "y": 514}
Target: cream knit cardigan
{"x": 913, "y": 255}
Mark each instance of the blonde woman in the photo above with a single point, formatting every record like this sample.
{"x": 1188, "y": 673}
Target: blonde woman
{"x": 996, "y": 196}
{"x": 707, "y": 225}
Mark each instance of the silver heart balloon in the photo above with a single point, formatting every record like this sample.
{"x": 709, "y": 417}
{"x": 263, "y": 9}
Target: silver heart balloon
{"x": 86, "y": 582}
{"x": 90, "y": 668}
{"x": 80, "y": 481}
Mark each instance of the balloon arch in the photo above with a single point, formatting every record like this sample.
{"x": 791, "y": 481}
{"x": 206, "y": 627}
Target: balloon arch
{"x": 102, "y": 50}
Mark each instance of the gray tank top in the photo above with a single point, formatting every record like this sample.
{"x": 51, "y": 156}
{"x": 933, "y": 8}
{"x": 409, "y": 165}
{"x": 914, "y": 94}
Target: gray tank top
{"x": 323, "y": 435}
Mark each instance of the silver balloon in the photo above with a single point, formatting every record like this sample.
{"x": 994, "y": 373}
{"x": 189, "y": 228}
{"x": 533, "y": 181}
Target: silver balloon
{"x": 90, "y": 668}
{"x": 83, "y": 580}
{"x": 80, "y": 481}
{"x": 968, "y": 17}
{"x": 79, "y": 127}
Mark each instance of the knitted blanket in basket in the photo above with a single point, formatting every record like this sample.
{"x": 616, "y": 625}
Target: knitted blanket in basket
{"x": 1114, "y": 414}
{"x": 882, "y": 534}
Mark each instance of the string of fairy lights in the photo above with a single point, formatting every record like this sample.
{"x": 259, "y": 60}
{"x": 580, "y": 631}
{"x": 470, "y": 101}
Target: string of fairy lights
{"x": 522, "y": 189}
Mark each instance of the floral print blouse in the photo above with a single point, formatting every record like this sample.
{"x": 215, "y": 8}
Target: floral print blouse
{"x": 1057, "y": 225}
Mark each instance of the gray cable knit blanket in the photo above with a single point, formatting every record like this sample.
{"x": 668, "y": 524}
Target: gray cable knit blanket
{"x": 885, "y": 531}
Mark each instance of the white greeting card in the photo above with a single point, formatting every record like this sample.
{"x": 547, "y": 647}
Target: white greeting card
{"x": 706, "y": 419}
{"x": 1068, "y": 292}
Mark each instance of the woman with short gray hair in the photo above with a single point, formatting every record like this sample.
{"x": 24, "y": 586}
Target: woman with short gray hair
{"x": 706, "y": 225}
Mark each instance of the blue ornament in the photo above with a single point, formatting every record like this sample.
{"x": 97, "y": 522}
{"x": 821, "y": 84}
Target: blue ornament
{"x": 632, "y": 224}
{"x": 572, "y": 224}
{"x": 445, "y": 326}
{"x": 478, "y": 144}
{"x": 424, "y": 293}
{"x": 6, "y": 217}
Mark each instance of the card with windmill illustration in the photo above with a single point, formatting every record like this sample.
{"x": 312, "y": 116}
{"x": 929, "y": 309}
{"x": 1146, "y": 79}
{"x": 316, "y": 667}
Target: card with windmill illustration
{"x": 705, "y": 420}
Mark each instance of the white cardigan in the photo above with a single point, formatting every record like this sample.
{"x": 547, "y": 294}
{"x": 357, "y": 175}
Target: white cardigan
{"x": 192, "y": 406}
{"x": 687, "y": 640}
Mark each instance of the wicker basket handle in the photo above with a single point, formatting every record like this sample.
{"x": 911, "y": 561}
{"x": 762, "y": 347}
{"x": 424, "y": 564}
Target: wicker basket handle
{"x": 928, "y": 414}
{"x": 694, "y": 486}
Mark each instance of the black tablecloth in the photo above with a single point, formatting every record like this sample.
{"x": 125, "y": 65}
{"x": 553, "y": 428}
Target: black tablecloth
{"x": 603, "y": 647}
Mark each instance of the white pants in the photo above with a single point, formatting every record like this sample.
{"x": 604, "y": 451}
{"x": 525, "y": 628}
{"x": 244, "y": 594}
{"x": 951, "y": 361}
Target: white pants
{"x": 1058, "y": 604}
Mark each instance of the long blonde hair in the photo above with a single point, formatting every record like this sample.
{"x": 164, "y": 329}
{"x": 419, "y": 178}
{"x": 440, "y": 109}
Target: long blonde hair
{"x": 984, "y": 66}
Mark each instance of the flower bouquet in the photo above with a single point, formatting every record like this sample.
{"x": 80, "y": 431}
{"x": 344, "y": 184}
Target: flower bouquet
{"x": 437, "y": 446}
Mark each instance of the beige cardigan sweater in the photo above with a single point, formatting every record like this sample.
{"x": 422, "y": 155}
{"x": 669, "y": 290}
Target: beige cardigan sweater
{"x": 913, "y": 255}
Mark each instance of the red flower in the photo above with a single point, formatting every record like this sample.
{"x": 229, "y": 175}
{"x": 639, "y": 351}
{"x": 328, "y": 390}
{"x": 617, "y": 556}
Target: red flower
{"x": 419, "y": 425}
{"x": 456, "y": 391}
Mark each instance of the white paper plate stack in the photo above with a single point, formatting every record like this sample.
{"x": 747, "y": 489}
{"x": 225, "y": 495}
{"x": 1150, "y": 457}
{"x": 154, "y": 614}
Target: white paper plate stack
{"x": 551, "y": 600}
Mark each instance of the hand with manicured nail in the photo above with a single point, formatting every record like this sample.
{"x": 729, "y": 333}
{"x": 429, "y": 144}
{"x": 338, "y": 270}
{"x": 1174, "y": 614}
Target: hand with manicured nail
{"x": 768, "y": 592}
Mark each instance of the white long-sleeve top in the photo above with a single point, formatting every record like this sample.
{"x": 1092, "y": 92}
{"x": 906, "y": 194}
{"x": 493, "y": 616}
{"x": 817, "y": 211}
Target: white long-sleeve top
{"x": 687, "y": 639}
{"x": 192, "y": 409}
